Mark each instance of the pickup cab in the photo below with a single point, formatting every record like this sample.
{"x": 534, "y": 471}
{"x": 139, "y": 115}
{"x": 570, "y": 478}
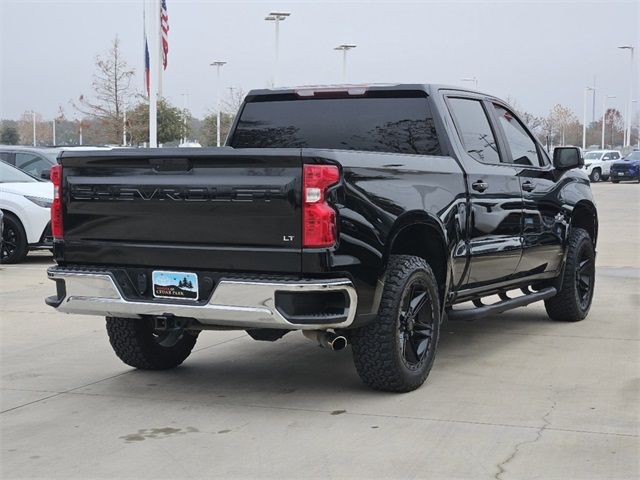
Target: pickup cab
{"x": 361, "y": 215}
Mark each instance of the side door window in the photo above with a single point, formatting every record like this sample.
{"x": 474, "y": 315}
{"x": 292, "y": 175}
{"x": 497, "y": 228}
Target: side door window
{"x": 31, "y": 163}
{"x": 474, "y": 130}
{"x": 607, "y": 156}
{"x": 520, "y": 144}
{"x": 5, "y": 157}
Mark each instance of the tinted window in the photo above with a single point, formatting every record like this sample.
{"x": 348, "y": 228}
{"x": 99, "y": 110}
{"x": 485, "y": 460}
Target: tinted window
{"x": 4, "y": 156}
{"x": 32, "y": 164}
{"x": 474, "y": 130}
{"x": 399, "y": 125}
{"x": 522, "y": 147}
{"x": 11, "y": 174}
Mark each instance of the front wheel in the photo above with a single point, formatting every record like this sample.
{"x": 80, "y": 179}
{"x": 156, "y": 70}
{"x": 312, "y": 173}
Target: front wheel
{"x": 573, "y": 301}
{"x": 396, "y": 351}
{"x": 595, "y": 176}
{"x": 14, "y": 246}
{"x": 137, "y": 344}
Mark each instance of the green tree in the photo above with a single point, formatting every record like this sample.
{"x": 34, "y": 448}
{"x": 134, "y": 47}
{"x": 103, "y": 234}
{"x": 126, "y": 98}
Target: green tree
{"x": 9, "y": 135}
{"x": 207, "y": 136}
{"x": 170, "y": 123}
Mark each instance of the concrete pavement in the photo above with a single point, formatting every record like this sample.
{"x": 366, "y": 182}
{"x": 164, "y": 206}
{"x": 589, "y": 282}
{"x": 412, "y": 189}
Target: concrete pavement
{"x": 512, "y": 397}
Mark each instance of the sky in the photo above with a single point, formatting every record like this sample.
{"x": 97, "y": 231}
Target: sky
{"x": 539, "y": 53}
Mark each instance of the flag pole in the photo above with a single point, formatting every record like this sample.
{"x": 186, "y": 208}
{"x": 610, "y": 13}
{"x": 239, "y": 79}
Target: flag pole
{"x": 153, "y": 85}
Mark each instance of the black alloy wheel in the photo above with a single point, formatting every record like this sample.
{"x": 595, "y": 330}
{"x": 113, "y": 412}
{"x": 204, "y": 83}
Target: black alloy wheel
{"x": 14, "y": 245}
{"x": 415, "y": 323}
{"x": 585, "y": 274}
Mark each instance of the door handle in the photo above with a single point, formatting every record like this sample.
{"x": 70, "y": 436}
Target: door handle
{"x": 480, "y": 186}
{"x": 528, "y": 186}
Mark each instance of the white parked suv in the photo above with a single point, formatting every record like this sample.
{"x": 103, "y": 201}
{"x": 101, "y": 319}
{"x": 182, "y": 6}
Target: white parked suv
{"x": 598, "y": 163}
{"x": 26, "y": 206}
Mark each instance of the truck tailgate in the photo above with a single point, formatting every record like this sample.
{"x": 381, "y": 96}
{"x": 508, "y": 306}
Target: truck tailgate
{"x": 219, "y": 209}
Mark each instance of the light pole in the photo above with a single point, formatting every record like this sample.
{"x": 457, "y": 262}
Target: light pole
{"x": 185, "y": 96}
{"x": 276, "y": 18}
{"x": 53, "y": 133}
{"x": 345, "y": 47}
{"x": 627, "y": 117}
{"x": 604, "y": 114}
{"x": 471, "y": 79}
{"x": 218, "y": 64}
{"x": 33, "y": 118}
{"x": 584, "y": 119}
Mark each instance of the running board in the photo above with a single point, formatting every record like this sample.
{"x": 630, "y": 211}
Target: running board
{"x": 502, "y": 306}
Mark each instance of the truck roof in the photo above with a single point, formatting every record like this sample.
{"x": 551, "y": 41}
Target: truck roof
{"x": 356, "y": 89}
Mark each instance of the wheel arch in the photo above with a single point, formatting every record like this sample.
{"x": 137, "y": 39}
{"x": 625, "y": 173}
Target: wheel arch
{"x": 585, "y": 215}
{"x": 422, "y": 235}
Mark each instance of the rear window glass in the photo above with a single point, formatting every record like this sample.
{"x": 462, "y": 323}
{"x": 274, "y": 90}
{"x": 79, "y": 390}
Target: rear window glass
{"x": 397, "y": 125}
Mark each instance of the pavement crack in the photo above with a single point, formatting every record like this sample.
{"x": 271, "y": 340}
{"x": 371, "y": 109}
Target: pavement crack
{"x": 516, "y": 449}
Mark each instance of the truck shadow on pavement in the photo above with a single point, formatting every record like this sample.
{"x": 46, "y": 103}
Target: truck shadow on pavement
{"x": 245, "y": 371}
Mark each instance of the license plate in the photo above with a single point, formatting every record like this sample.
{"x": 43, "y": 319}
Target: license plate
{"x": 175, "y": 285}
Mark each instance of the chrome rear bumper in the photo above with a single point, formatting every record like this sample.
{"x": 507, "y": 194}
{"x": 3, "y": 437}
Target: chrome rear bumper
{"x": 233, "y": 303}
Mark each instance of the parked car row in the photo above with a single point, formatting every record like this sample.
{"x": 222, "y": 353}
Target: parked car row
{"x": 609, "y": 165}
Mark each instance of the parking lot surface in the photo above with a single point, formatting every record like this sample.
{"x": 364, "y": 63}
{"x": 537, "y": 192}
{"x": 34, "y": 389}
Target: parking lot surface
{"x": 514, "y": 396}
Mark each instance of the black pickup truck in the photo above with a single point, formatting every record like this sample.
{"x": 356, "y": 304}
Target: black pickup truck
{"x": 360, "y": 215}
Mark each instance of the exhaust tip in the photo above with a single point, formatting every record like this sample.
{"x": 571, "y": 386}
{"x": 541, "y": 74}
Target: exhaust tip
{"x": 338, "y": 343}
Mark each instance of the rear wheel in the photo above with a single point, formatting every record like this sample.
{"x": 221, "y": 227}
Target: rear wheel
{"x": 596, "y": 175}
{"x": 573, "y": 301}
{"x": 137, "y": 344}
{"x": 14, "y": 240}
{"x": 396, "y": 351}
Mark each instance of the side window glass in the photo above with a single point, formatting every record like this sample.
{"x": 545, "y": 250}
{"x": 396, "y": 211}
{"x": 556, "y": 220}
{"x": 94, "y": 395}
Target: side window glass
{"x": 5, "y": 156}
{"x": 32, "y": 164}
{"x": 606, "y": 157}
{"x": 522, "y": 147}
{"x": 474, "y": 130}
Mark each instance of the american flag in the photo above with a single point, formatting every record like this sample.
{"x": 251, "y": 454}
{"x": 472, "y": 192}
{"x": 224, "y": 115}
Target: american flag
{"x": 164, "y": 27}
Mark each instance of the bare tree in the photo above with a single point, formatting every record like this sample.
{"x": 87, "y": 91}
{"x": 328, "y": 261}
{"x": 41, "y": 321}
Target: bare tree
{"x": 559, "y": 118}
{"x": 112, "y": 92}
{"x": 613, "y": 123}
{"x": 25, "y": 130}
{"x": 233, "y": 101}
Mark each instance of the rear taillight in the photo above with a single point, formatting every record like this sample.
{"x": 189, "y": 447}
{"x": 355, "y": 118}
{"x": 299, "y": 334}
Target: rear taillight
{"x": 318, "y": 218}
{"x": 55, "y": 176}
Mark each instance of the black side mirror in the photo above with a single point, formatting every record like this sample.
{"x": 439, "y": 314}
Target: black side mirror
{"x": 44, "y": 174}
{"x": 566, "y": 158}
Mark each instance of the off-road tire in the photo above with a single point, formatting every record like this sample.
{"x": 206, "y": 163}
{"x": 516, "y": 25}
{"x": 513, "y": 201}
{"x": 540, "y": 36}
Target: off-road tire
{"x": 13, "y": 228}
{"x": 134, "y": 342}
{"x": 376, "y": 346}
{"x": 596, "y": 175}
{"x": 566, "y": 305}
